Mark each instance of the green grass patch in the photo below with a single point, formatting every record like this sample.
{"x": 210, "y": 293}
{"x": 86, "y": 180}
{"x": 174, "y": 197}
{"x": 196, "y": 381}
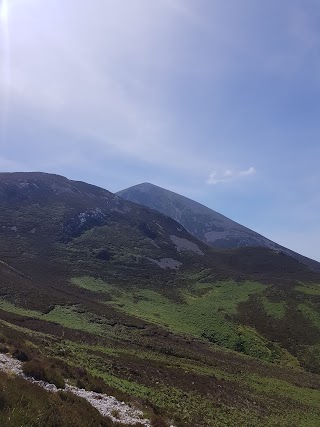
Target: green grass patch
{"x": 75, "y": 318}
{"x": 277, "y": 310}
{"x": 310, "y": 313}
{"x": 309, "y": 289}
{"x": 274, "y": 386}
{"x": 193, "y": 408}
{"x": 11, "y": 308}
{"x": 92, "y": 284}
{"x": 207, "y": 310}
{"x": 263, "y": 402}
{"x": 72, "y": 317}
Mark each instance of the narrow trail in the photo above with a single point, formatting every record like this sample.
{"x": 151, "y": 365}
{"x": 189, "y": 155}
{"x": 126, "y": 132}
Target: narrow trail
{"x": 106, "y": 405}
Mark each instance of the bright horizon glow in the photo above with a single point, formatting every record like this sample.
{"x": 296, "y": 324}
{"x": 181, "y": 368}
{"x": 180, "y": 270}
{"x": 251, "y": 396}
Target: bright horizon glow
{"x": 4, "y": 11}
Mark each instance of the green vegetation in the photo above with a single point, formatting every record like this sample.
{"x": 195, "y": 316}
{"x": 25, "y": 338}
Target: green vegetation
{"x": 309, "y": 289}
{"x": 69, "y": 316}
{"x": 205, "y": 309}
{"x": 44, "y": 372}
{"x": 310, "y": 358}
{"x": 274, "y": 309}
{"x": 225, "y": 340}
{"x": 7, "y": 306}
{"x": 191, "y": 383}
{"x": 25, "y": 404}
{"x": 94, "y": 285}
{"x": 310, "y": 313}
{"x": 75, "y": 318}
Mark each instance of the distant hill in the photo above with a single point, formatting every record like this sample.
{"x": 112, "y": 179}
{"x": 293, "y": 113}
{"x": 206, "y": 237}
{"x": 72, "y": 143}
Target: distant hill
{"x": 206, "y": 224}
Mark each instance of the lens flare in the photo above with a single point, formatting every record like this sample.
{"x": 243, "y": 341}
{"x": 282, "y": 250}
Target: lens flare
{"x": 4, "y": 11}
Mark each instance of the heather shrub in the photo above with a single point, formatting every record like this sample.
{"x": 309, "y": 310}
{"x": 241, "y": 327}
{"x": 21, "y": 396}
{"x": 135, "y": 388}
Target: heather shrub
{"x": 158, "y": 421}
{"x": 43, "y": 372}
{"x": 26, "y": 404}
{"x": 21, "y": 355}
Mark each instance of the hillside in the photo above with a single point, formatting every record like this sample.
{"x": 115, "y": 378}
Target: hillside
{"x": 205, "y": 224}
{"x": 119, "y": 298}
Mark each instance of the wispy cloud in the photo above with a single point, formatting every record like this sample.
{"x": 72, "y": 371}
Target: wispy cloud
{"x": 228, "y": 175}
{"x": 105, "y": 84}
{"x": 248, "y": 172}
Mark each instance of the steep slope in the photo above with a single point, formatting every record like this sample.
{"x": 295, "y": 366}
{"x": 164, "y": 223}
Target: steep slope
{"x": 52, "y": 226}
{"x": 166, "y": 322}
{"x": 207, "y": 225}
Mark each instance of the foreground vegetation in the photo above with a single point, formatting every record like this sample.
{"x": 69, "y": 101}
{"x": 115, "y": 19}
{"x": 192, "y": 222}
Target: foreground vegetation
{"x": 228, "y": 338}
{"x": 25, "y": 404}
{"x": 227, "y": 313}
{"x": 171, "y": 377}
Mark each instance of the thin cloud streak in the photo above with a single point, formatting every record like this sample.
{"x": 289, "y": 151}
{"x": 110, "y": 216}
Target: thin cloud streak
{"x": 228, "y": 176}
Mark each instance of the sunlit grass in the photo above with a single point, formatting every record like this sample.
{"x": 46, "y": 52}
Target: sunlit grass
{"x": 309, "y": 289}
{"x": 69, "y": 316}
{"x": 310, "y": 313}
{"x": 274, "y": 309}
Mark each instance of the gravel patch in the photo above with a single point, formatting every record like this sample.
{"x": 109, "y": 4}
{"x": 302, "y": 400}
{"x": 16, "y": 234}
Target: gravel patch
{"x": 165, "y": 263}
{"x": 107, "y": 405}
{"x": 185, "y": 245}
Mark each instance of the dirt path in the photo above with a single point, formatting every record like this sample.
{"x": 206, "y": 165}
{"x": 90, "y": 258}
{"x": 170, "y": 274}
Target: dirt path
{"x": 107, "y": 405}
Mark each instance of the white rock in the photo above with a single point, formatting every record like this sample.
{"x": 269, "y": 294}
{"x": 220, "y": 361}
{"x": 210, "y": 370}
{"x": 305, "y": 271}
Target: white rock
{"x": 106, "y": 405}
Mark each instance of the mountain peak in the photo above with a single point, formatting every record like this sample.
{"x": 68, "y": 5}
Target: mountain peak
{"x": 207, "y": 225}
{"x": 146, "y": 186}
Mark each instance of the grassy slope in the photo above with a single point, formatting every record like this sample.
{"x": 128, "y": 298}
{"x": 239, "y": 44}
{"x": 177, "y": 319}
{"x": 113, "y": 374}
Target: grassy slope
{"x": 218, "y": 312}
{"x": 153, "y": 334}
{"x": 25, "y": 404}
{"x": 192, "y": 381}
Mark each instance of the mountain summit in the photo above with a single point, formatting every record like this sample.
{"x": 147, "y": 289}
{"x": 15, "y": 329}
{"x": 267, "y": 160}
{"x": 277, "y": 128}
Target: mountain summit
{"x": 205, "y": 224}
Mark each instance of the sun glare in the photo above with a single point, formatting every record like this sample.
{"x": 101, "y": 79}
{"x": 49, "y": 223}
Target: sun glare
{"x": 4, "y": 10}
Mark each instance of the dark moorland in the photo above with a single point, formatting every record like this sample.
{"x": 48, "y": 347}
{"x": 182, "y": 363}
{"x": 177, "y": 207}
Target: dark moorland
{"x": 121, "y": 299}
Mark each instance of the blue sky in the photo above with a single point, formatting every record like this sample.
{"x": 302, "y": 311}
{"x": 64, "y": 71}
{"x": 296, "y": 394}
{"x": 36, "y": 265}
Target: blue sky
{"x": 215, "y": 99}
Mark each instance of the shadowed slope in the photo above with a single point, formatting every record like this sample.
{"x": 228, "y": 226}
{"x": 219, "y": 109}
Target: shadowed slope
{"x": 207, "y": 225}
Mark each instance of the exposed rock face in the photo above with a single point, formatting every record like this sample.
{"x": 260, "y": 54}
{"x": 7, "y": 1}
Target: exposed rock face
{"x": 207, "y": 225}
{"x": 84, "y": 221}
{"x": 186, "y": 245}
{"x": 166, "y": 263}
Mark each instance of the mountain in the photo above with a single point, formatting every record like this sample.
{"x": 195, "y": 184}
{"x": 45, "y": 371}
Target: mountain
{"x": 205, "y": 224}
{"x": 118, "y": 298}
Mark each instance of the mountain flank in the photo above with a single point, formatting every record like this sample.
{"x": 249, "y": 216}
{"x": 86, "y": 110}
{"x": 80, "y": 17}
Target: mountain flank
{"x": 205, "y": 224}
{"x": 115, "y": 298}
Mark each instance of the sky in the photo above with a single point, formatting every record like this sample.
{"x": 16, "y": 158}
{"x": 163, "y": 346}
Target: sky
{"x": 218, "y": 100}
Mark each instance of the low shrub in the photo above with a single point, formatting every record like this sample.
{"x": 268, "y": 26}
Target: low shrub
{"x": 21, "y": 355}
{"x": 4, "y": 348}
{"x": 158, "y": 421}
{"x": 26, "y": 404}
{"x": 43, "y": 372}
{"x": 3, "y": 399}
{"x": 34, "y": 368}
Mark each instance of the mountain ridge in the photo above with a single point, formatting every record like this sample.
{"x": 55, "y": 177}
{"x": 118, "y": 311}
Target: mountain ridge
{"x": 207, "y": 225}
